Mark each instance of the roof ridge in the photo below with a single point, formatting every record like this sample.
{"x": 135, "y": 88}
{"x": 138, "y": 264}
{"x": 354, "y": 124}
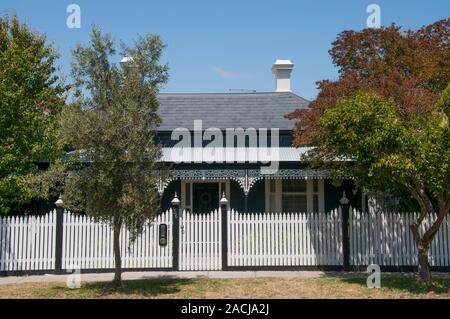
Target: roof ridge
{"x": 234, "y": 93}
{"x": 221, "y": 93}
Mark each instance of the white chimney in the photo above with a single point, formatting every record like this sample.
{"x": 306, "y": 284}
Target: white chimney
{"x": 282, "y": 70}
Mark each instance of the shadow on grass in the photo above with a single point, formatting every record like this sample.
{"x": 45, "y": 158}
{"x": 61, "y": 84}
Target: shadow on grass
{"x": 144, "y": 288}
{"x": 410, "y": 284}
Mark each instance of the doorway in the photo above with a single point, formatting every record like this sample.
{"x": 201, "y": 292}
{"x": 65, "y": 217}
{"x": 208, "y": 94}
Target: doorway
{"x": 191, "y": 193}
{"x": 205, "y": 197}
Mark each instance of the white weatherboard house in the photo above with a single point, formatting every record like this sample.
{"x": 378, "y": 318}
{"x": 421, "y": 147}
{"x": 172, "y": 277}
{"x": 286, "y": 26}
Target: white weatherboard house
{"x": 236, "y": 196}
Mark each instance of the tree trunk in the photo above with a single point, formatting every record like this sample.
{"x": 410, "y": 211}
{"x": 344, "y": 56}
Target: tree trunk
{"x": 426, "y": 208}
{"x": 424, "y": 265}
{"x": 117, "y": 258}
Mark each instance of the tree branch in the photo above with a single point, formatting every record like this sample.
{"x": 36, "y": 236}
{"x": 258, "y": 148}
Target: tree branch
{"x": 418, "y": 198}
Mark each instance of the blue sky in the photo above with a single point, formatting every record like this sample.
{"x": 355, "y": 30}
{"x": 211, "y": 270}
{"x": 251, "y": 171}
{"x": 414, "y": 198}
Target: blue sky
{"x": 215, "y": 46}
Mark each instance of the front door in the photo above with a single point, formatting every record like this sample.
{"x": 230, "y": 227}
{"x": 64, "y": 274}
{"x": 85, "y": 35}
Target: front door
{"x": 205, "y": 197}
{"x": 201, "y": 230}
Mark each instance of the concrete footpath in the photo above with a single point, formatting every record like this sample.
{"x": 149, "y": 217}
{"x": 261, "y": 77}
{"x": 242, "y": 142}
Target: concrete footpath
{"x": 173, "y": 274}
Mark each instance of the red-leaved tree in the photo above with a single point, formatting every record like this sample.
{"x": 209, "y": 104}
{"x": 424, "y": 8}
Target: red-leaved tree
{"x": 412, "y": 68}
{"x": 389, "y": 112}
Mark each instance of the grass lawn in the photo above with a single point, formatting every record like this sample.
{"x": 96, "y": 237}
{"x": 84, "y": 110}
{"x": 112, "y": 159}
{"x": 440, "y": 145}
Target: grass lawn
{"x": 325, "y": 287}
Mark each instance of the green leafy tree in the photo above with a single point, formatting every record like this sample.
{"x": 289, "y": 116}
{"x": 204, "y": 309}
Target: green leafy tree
{"x": 112, "y": 126}
{"x": 397, "y": 134}
{"x": 31, "y": 97}
{"x": 390, "y": 154}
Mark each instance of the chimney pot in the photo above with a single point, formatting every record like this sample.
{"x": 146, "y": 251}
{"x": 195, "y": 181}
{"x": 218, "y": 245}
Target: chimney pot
{"x": 282, "y": 70}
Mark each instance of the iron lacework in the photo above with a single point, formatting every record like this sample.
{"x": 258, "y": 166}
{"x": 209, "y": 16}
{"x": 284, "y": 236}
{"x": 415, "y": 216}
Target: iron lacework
{"x": 246, "y": 178}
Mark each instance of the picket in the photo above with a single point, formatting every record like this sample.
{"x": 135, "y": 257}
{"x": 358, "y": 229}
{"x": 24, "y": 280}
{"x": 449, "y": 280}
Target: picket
{"x": 27, "y": 243}
{"x": 390, "y": 242}
{"x": 200, "y": 241}
{"x": 287, "y": 239}
{"x": 275, "y": 239}
{"x": 253, "y": 240}
{"x": 87, "y": 244}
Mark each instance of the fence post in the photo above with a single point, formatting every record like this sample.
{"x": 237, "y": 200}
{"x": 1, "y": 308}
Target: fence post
{"x": 345, "y": 231}
{"x": 59, "y": 234}
{"x": 176, "y": 231}
{"x": 223, "y": 207}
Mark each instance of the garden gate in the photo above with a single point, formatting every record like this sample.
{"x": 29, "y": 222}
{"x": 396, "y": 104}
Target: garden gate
{"x": 200, "y": 241}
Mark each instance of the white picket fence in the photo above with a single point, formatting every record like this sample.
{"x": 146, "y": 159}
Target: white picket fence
{"x": 200, "y": 241}
{"x": 89, "y": 245}
{"x": 264, "y": 239}
{"x": 27, "y": 243}
{"x": 279, "y": 239}
{"x": 385, "y": 239}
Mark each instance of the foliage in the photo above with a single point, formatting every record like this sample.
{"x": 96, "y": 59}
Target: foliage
{"x": 388, "y": 113}
{"x": 411, "y": 68}
{"x": 389, "y": 154}
{"x": 31, "y": 97}
{"x": 368, "y": 130}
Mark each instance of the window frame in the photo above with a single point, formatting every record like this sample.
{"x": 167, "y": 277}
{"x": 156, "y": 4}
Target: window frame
{"x": 309, "y": 195}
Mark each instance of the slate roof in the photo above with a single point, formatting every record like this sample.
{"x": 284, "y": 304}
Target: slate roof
{"x": 228, "y": 110}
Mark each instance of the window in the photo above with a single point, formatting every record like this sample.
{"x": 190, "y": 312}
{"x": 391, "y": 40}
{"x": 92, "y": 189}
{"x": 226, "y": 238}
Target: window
{"x": 294, "y": 186}
{"x": 272, "y": 196}
{"x": 292, "y": 203}
{"x": 295, "y": 195}
{"x": 315, "y": 195}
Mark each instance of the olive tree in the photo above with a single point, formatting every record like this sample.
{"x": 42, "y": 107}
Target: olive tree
{"x": 112, "y": 125}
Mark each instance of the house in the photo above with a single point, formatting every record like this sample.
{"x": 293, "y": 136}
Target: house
{"x": 239, "y": 145}
{"x": 280, "y": 213}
